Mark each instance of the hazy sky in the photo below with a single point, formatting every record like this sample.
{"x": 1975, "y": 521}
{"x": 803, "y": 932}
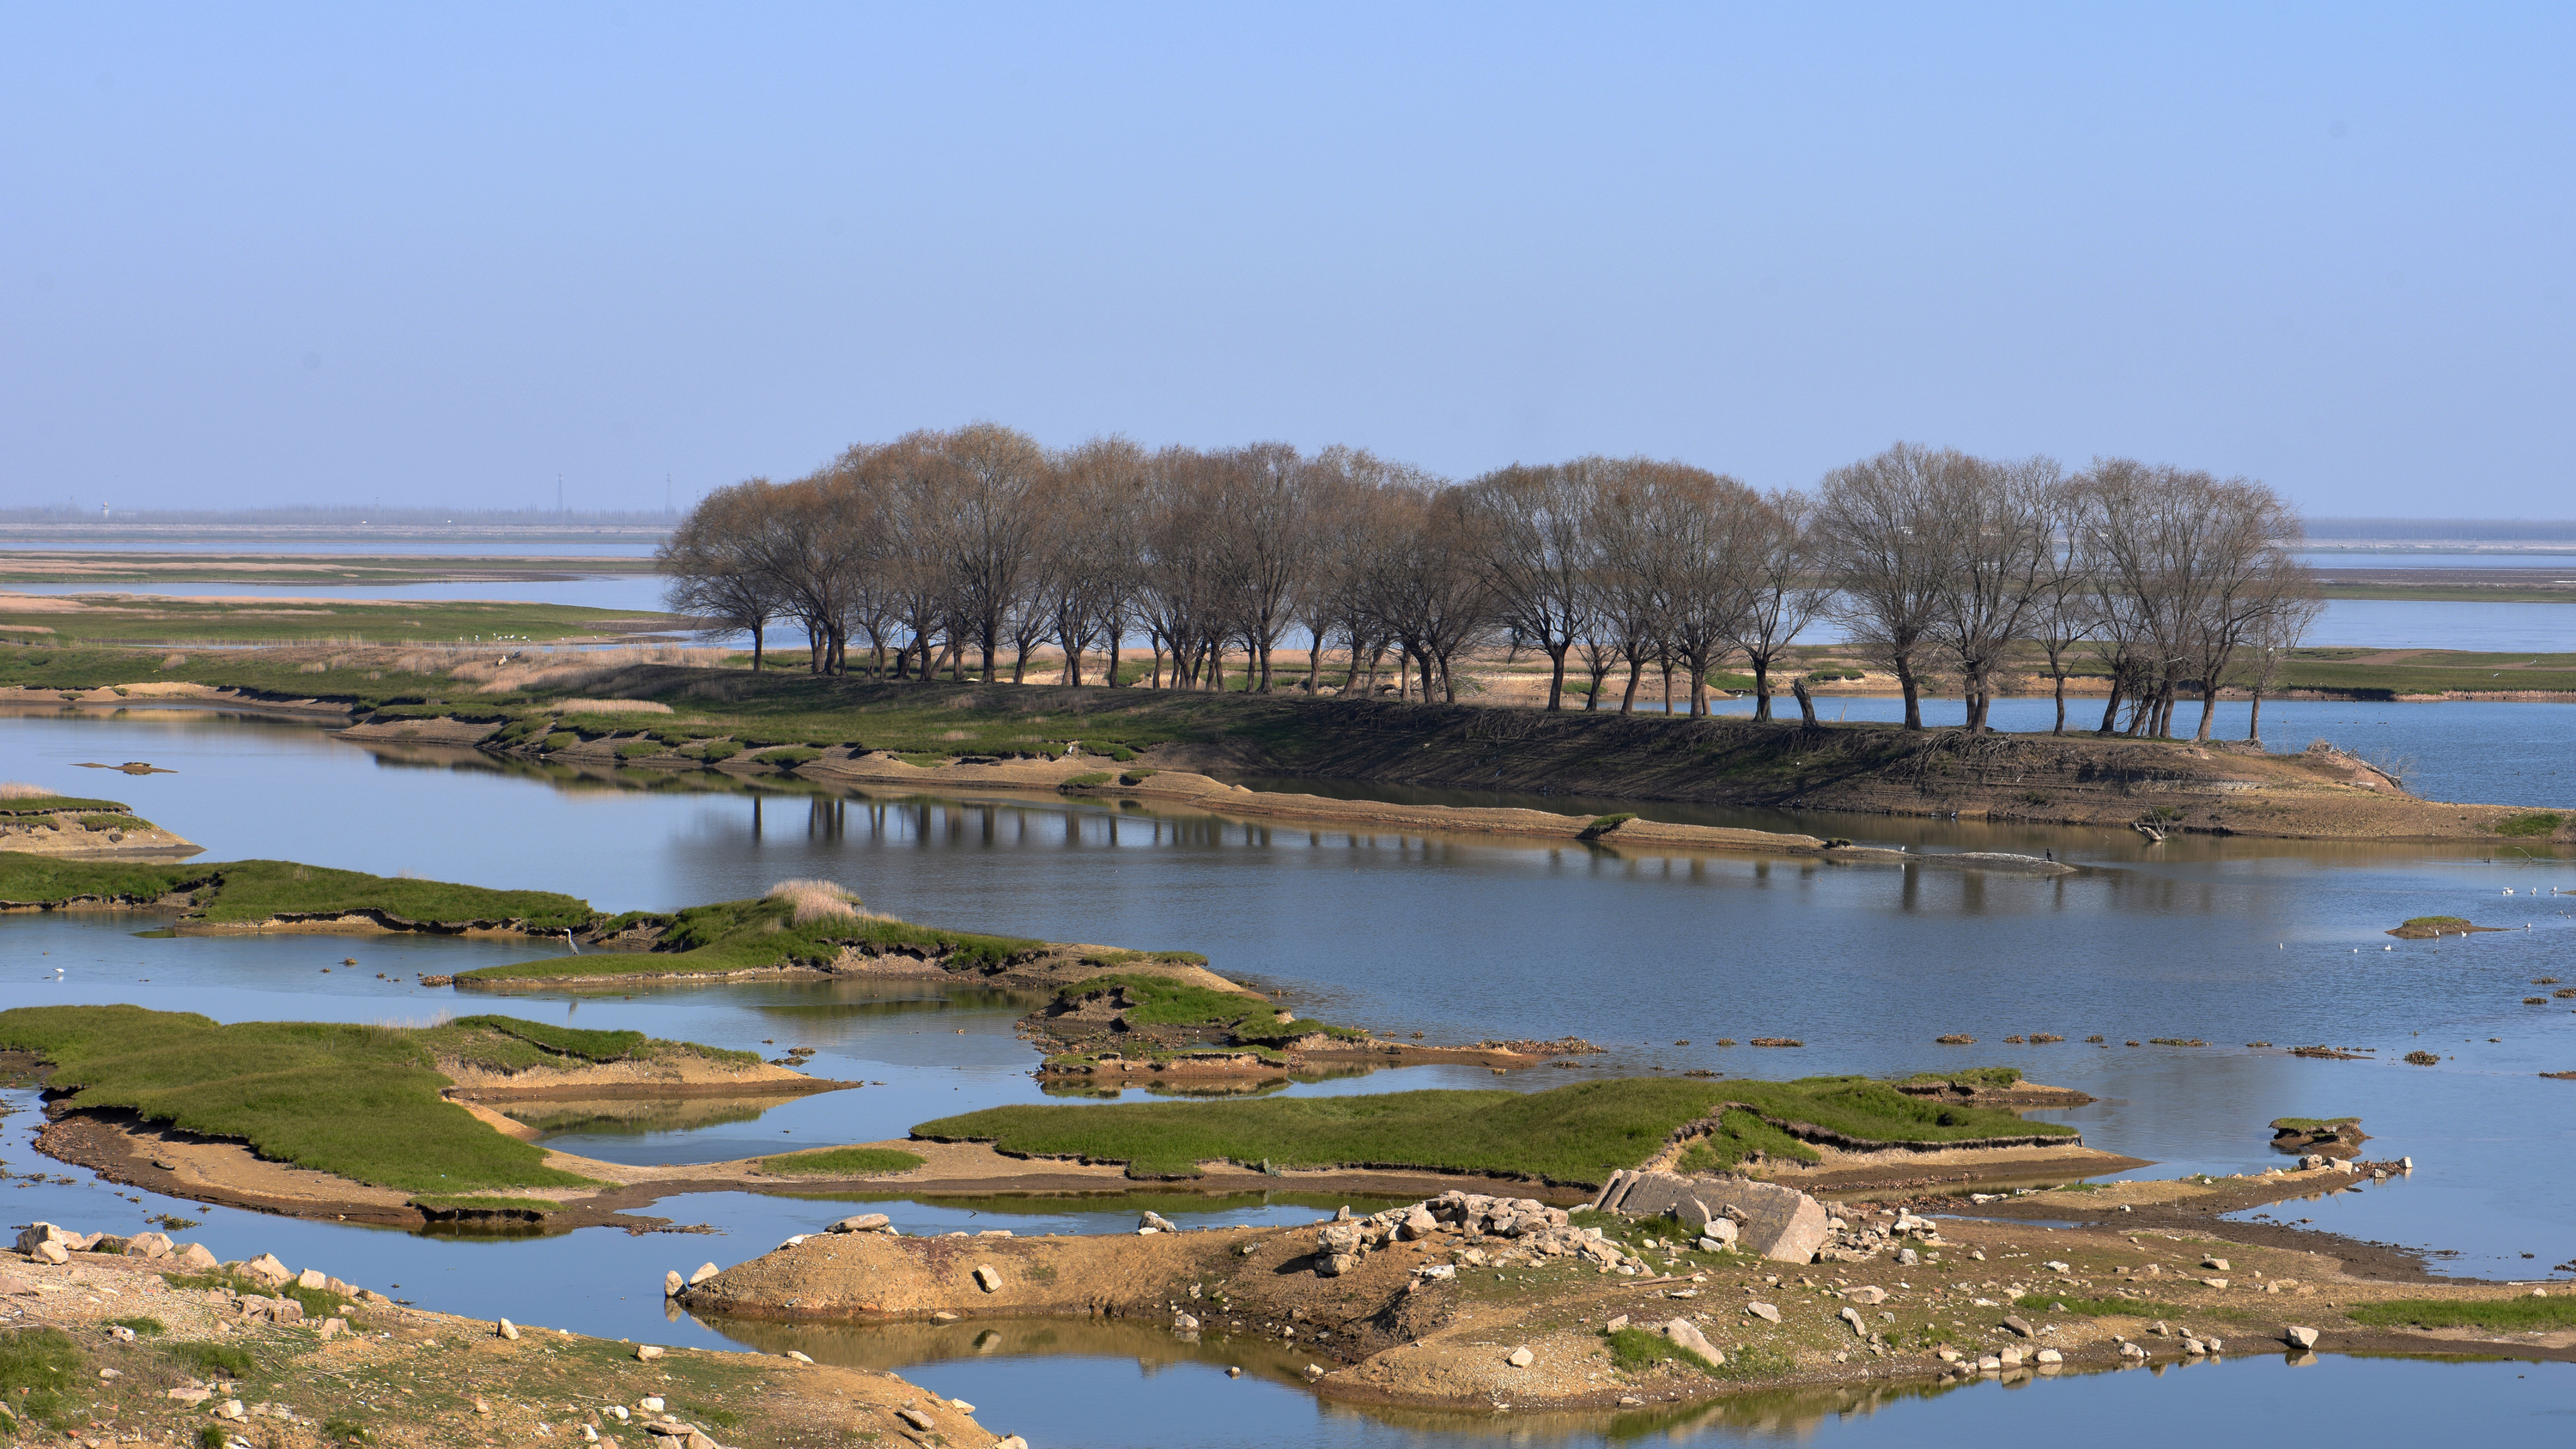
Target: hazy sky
{"x": 271, "y": 254}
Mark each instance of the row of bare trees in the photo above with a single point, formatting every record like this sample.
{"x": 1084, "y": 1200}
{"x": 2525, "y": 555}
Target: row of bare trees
{"x": 937, "y": 545}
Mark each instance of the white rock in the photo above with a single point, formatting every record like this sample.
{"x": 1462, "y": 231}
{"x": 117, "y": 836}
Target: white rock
{"x": 672, "y": 1283}
{"x": 2298, "y": 1337}
{"x": 863, "y": 1223}
{"x": 646, "y": 1353}
{"x": 2050, "y": 1355}
{"x": 266, "y": 1269}
{"x": 705, "y": 1271}
{"x": 1686, "y": 1334}
{"x": 988, "y": 1278}
{"x": 651, "y": 1405}
{"x": 52, "y": 1251}
{"x": 1520, "y": 1357}
{"x": 506, "y": 1329}
{"x": 1763, "y": 1311}
{"x": 798, "y": 1356}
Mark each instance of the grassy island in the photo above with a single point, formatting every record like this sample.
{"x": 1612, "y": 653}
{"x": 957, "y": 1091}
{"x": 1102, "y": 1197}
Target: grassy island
{"x": 1572, "y": 1134}
{"x": 362, "y": 1102}
{"x": 252, "y": 892}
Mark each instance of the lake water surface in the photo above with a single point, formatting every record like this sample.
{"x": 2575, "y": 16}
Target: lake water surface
{"x": 2229, "y": 941}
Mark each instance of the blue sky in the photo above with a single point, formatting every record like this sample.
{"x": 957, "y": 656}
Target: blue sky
{"x": 269, "y": 254}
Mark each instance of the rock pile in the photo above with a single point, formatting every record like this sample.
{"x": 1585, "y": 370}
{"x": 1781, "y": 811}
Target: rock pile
{"x": 1526, "y": 1223}
{"x": 46, "y": 1243}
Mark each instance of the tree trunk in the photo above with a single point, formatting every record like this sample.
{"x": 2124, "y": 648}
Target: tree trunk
{"x": 1113, "y": 653}
{"x": 1158, "y": 662}
{"x": 2254, "y": 727}
{"x": 2208, "y": 706}
{"x": 1761, "y": 689}
{"x": 1913, "y": 692}
{"x": 1698, "y": 689}
{"x": 1315, "y": 665}
{"x": 756, "y": 631}
{"x": 1636, "y": 671}
{"x": 2061, "y": 704}
{"x": 1556, "y": 676}
{"x": 1806, "y": 703}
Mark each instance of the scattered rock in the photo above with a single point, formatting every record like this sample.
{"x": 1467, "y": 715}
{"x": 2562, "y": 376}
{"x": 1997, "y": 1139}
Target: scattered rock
{"x": 1615, "y": 1324}
{"x": 2298, "y": 1337}
{"x": 2015, "y": 1322}
{"x": 799, "y": 1355}
{"x": 988, "y": 1279}
{"x": 506, "y": 1329}
{"x": 863, "y": 1223}
{"x": 1154, "y": 1222}
{"x": 195, "y": 1258}
{"x": 2215, "y": 1265}
{"x": 1866, "y": 1293}
{"x": 2049, "y": 1355}
{"x": 148, "y": 1245}
{"x": 672, "y": 1283}
{"x": 705, "y": 1271}
{"x": 1764, "y": 1311}
{"x": 266, "y": 1269}
{"x": 333, "y": 1327}
{"x": 1520, "y": 1357}
{"x": 916, "y": 1419}
{"x": 51, "y": 1250}
{"x": 646, "y": 1353}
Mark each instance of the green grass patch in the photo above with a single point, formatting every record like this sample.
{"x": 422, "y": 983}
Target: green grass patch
{"x": 105, "y": 823}
{"x": 1741, "y": 1134}
{"x": 1085, "y": 780}
{"x": 2530, "y": 825}
{"x": 559, "y": 740}
{"x": 359, "y": 1101}
{"x": 2438, "y": 923}
{"x": 243, "y": 892}
{"x": 843, "y": 1162}
{"x": 1571, "y": 1134}
{"x": 595, "y": 1046}
{"x": 1603, "y": 824}
{"x": 789, "y": 758}
{"x": 639, "y": 749}
{"x": 61, "y": 805}
{"x": 762, "y": 934}
{"x": 1161, "y": 1001}
{"x": 44, "y": 1375}
{"x": 1635, "y": 1349}
{"x": 2105, "y": 1306}
{"x": 2313, "y": 1124}
{"x": 1972, "y": 1078}
{"x": 717, "y": 750}
{"x": 212, "y": 1360}
{"x": 1575, "y": 1133}
{"x": 2499, "y": 1315}
{"x": 143, "y": 1327}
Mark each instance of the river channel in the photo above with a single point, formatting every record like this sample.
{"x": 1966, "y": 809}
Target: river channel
{"x": 2227, "y": 941}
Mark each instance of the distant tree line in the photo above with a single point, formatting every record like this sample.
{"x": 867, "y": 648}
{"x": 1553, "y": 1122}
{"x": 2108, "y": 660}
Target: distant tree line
{"x": 902, "y": 559}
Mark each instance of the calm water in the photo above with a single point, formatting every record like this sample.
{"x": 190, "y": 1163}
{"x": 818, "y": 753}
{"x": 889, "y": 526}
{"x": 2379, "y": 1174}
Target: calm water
{"x": 2228, "y": 941}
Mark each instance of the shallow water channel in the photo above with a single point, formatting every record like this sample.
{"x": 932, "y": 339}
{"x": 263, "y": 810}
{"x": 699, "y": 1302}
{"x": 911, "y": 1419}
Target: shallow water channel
{"x": 2227, "y": 941}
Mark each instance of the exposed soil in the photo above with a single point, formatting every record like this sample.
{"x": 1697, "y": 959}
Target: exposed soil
{"x": 63, "y": 837}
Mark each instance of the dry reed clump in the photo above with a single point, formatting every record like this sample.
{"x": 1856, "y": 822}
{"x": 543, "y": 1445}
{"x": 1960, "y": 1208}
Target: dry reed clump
{"x": 610, "y": 706}
{"x": 174, "y": 661}
{"x": 571, "y": 669}
{"x": 817, "y": 898}
{"x": 21, "y": 790}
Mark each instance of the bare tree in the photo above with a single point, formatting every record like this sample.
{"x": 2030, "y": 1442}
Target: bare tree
{"x": 986, "y": 524}
{"x": 2296, "y": 608}
{"x": 713, "y": 565}
{"x": 1538, "y": 554}
{"x": 1879, "y": 530}
{"x": 1999, "y": 541}
{"x": 1783, "y": 590}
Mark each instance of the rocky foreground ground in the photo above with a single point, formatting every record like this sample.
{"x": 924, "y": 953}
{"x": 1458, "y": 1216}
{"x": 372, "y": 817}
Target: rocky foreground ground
{"x": 141, "y": 1341}
{"x": 1700, "y": 1288}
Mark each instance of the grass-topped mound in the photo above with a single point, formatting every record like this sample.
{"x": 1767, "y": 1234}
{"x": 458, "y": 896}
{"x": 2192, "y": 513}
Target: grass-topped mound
{"x": 246, "y": 892}
{"x": 843, "y": 1162}
{"x": 358, "y": 1101}
{"x": 1137, "y": 1016}
{"x": 2426, "y": 928}
{"x": 60, "y": 805}
{"x": 1781, "y": 1119}
{"x": 777, "y": 930}
{"x": 2496, "y": 1315}
{"x": 1573, "y": 1134}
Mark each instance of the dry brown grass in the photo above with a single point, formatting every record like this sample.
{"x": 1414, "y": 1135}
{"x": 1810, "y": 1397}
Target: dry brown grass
{"x": 611, "y": 706}
{"x": 21, "y": 790}
{"x": 816, "y": 898}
